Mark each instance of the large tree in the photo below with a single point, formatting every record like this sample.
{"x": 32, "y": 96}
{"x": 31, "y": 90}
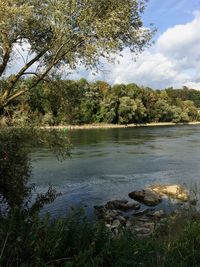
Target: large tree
{"x": 63, "y": 32}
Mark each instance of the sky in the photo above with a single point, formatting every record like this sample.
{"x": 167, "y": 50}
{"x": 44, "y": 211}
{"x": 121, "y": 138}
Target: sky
{"x": 174, "y": 58}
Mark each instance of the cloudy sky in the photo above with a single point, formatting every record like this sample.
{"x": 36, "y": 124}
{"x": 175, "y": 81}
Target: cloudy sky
{"x": 174, "y": 59}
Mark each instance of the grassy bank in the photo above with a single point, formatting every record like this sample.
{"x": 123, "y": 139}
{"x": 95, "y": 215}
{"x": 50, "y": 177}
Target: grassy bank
{"x": 73, "y": 241}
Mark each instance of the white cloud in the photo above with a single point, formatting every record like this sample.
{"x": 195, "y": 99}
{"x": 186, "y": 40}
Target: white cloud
{"x": 150, "y": 69}
{"x": 182, "y": 41}
{"x": 173, "y": 61}
{"x": 194, "y": 85}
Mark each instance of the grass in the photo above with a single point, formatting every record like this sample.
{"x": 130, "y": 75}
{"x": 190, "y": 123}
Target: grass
{"x": 73, "y": 241}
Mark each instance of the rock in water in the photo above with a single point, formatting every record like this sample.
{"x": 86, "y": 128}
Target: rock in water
{"x": 141, "y": 212}
{"x": 122, "y": 205}
{"x": 175, "y": 191}
{"x": 147, "y": 197}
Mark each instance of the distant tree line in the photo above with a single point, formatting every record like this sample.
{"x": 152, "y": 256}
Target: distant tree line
{"x": 81, "y": 102}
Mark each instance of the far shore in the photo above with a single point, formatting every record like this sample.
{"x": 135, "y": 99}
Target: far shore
{"x": 112, "y": 126}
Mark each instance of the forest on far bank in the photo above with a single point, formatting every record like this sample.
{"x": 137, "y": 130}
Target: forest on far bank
{"x": 63, "y": 102}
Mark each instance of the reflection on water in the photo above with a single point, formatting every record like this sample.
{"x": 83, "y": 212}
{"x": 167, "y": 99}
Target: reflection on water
{"x": 108, "y": 164}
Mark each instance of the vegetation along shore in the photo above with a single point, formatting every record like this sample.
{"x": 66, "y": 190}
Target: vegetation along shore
{"x": 98, "y": 104}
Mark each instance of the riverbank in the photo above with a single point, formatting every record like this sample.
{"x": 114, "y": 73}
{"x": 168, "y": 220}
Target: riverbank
{"x": 72, "y": 241}
{"x": 110, "y": 126}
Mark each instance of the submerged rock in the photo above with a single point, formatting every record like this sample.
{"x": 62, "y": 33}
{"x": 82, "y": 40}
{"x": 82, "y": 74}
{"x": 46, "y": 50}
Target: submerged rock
{"x": 122, "y": 205}
{"x": 175, "y": 191}
{"x": 141, "y": 212}
{"x": 146, "y": 196}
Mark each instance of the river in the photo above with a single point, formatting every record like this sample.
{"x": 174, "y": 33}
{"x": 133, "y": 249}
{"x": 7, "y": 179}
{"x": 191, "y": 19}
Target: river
{"x": 109, "y": 163}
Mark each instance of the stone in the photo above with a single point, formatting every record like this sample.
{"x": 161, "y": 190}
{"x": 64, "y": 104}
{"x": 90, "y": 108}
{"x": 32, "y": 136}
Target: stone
{"x": 110, "y": 215}
{"x": 174, "y": 191}
{"x": 157, "y": 214}
{"x": 193, "y": 202}
{"x": 114, "y": 203}
{"x": 129, "y": 206}
{"x": 115, "y": 231}
{"x": 149, "y": 225}
{"x": 100, "y": 211}
{"x": 121, "y": 219}
{"x": 122, "y": 205}
{"x": 143, "y": 219}
{"x": 141, "y": 212}
{"x": 128, "y": 224}
{"x": 142, "y": 230}
{"x": 108, "y": 225}
{"x": 147, "y": 197}
{"x": 105, "y": 214}
{"x": 116, "y": 224}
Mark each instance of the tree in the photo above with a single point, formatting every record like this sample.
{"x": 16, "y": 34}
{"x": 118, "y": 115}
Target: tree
{"x": 15, "y": 166}
{"x": 64, "y": 32}
{"x": 130, "y": 110}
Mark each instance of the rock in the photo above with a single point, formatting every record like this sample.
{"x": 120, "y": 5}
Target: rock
{"x": 175, "y": 191}
{"x": 143, "y": 219}
{"x": 98, "y": 207}
{"x": 129, "y": 206}
{"x": 105, "y": 214}
{"x": 157, "y": 214}
{"x": 122, "y": 205}
{"x": 116, "y": 224}
{"x": 145, "y": 228}
{"x": 114, "y": 203}
{"x": 141, "y": 212}
{"x": 149, "y": 225}
{"x": 193, "y": 202}
{"x": 100, "y": 212}
{"x": 110, "y": 215}
{"x": 147, "y": 197}
{"x": 115, "y": 231}
{"x": 142, "y": 230}
{"x": 128, "y": 224}
{"x": 121, "y": 219}
{"x": 109, "y": 226}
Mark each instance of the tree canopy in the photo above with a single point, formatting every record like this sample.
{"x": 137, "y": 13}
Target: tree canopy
{"x": 64, "y": 102}
{"x": 64, "y": 32}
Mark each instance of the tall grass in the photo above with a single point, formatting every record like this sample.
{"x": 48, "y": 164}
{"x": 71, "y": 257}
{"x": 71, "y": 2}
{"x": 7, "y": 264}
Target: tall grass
{"x": 74, "y": 241}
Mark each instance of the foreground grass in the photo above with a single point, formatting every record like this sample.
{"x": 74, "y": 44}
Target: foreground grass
{"x": 74, "y": 241}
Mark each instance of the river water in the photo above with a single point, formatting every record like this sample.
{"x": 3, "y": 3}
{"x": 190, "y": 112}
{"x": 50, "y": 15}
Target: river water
{"x": 109, "y": 163}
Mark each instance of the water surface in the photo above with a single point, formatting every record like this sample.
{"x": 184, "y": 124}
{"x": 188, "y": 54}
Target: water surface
{"x": 109, "y": 163}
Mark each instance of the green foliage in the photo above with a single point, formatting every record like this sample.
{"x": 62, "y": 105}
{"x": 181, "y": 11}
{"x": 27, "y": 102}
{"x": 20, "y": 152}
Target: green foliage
{"x": 66, "y": 33}
{"x": 74, "y": 241}
{"x": 63, "y": 102}
{"x": 15, "y": 166}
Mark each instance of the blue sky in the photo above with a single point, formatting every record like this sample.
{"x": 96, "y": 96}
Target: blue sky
{"x": 167, "y": 13}
{"x": 174, "y": 59}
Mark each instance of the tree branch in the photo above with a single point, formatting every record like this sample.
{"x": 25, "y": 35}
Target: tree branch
{"x": 55, "y": 60}
{"x": 26, "y": 66}
{"x": 17, "y": 77}
{"x": 6, "y": 55}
